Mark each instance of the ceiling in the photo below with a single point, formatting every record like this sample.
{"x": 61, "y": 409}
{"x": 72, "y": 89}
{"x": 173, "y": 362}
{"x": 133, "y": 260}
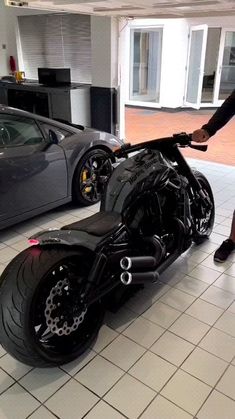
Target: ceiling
{"x": 135, "y": 8}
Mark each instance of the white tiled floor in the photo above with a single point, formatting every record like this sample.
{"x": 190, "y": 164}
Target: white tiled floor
{"x": 169, "y": 353}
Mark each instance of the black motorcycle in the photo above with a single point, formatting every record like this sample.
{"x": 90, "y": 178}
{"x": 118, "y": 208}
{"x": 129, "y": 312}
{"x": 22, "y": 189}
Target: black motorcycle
{"x": 53, "y": 295}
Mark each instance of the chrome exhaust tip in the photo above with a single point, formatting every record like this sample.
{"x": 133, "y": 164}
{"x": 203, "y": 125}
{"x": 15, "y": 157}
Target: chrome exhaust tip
{"x": 126, "y": 278}
{"x": 126, "y": 263}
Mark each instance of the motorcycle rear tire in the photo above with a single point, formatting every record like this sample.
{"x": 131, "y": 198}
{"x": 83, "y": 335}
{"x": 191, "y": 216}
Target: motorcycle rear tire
{"x": 20, "y": 283}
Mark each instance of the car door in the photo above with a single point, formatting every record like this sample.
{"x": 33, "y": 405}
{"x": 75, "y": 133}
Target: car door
{"x": 33, "y": 172}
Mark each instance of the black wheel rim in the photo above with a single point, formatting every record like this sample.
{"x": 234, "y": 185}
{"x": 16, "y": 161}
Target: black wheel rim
{"x": 94, "y": 175}
{"x": 52, "y": 344}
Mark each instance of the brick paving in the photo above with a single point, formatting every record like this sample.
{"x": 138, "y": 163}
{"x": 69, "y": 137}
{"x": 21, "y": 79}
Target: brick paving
{"x": 145, "y": 124}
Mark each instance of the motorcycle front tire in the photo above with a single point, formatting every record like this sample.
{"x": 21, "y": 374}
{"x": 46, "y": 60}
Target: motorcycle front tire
{"x": 203, "y": 233}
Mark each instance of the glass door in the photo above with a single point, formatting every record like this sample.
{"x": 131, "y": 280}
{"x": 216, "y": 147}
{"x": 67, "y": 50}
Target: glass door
{"x": 195, "y": 65}
{"x": 145, "y": 67}
{"x": 225, "y": 82}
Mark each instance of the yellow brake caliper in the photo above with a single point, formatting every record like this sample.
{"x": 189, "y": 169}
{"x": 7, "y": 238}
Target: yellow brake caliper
{"x": 84, "y": 178}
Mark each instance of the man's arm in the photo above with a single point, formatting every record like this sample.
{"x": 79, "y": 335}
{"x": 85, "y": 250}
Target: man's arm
{"x": 221, "y": 116}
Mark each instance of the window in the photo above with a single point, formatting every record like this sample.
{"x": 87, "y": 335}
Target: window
{"x": 60, "y": 133}
{"x": 17, "y": 131}
{"x": 145, "y": 70}
{"x": 56, "y": 41}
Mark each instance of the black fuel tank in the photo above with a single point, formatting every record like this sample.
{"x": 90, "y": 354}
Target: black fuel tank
{"x": 145, "y": 170}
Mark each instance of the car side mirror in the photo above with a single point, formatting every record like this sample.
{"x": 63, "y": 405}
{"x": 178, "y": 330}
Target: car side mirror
{"x": 53, "y": 137}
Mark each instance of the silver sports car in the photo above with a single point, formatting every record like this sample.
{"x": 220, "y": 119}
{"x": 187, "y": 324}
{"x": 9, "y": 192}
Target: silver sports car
{"x": 46, "y": 163}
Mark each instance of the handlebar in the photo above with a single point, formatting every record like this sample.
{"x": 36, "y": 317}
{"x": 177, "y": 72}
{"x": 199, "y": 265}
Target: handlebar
{"x": 181, "y": 140}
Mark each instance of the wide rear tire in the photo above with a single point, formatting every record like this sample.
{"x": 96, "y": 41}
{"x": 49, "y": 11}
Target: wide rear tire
{"x": 25, "y": 287}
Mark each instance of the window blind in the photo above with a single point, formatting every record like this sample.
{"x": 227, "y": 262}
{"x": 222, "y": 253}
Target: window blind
{"x": 51, "y": 40}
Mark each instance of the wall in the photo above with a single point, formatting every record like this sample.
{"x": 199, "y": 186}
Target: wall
{"x": 104, "y": 51}
{"x": 8, "y": 33}
{"x": 3, "y": 41}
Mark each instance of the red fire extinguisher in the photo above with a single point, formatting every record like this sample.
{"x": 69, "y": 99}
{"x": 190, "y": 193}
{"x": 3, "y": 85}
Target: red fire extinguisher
{"x": 12, "y": 63}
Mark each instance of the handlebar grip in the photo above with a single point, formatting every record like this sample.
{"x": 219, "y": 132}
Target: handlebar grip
{"x": 199, "y": 147}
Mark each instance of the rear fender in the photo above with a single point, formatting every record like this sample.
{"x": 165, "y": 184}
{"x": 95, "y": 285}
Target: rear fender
{"x": 65, "y": 238}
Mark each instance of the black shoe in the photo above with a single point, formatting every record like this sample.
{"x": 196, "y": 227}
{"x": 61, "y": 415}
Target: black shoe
{"x": 223, "y": 252}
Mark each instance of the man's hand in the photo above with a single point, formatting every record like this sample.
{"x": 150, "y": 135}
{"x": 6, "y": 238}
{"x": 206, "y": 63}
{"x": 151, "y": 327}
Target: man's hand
{"x": 200, "y": 136}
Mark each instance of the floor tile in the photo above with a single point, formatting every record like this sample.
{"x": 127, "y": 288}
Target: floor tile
{"x": 210, "y": 263}
{"x": 177, "y": 299}
{"x": 196, "y": 255}
{"x": 219, "y": 344}
{"x": 189, "y": 328}
{"x": 217, "y": 238}
{"x": 161, "y": 314}
{"x": 21, "y": 245}
{"x": 221, "y": 229}
{"x": 226, "y": 323}
{"x": 205, "y": 274}
{"x": 5, "y": 381}
{"x": 42, "y": 413}
{"x": 120, "y": 320}
{"x": 42, "y": 383}
{"x": 144, "y": 299}
{"x": 143, "y": 332}
{"x": 123, "y": 352}
{"x": 156, "y": 290}
{"x": 72, "y": 401}
{"x": 140, "y": 302}
{"x": 192, "y": 286}
{"x": 217, "y": 406}
{"x": 105, "y": 336}
{"x": 2, "y": 267}
{"x": 218, "y": 297}
{"x": 160, "y": 408}
{"x": 2, "y": 351}
{"x": 184, "y": 265}
{"x": 6, "y": 254}
{"x": 232, "y": 308}
{"x": 103, "y": 411}
{"x": 205, "y": 312}
{"x": 13, "y": 367}
{"x": 205, "y": 366}
{"x": 130, "y": 396}
{"x": 99, "y": 375}
{"x": 171, "y": 276}
{"x": 226, "y": 282}
{"x": 172, "y": 348}
{"x": 73, "y": 367}
{"x": 16, "y": 403}
{"x": 152, "y": 371}
{"x": 186, "y": 391}
{"x": 231, "y": 270}
{"x": 226, "y": 384}
{"x": 208, "y": 247}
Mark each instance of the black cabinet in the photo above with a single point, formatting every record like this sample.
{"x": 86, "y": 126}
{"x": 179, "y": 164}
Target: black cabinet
{"x": 71, "y": 103}
{"x": 34, "y": 102}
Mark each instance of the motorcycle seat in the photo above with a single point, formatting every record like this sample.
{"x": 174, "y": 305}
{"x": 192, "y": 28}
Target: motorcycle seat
{"x": 99, "y": 224}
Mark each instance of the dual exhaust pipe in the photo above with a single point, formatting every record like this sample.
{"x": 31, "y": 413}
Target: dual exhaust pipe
{"x": 135, "y": 265}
